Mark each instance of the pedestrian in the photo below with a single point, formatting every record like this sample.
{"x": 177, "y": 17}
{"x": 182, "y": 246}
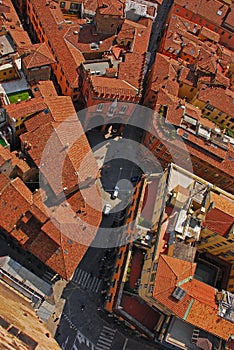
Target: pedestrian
{"x": 82, "y": 307}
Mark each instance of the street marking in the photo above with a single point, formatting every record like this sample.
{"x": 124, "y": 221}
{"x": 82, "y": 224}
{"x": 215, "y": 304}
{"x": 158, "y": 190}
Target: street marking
{"x": 106, "y": 338}
{"x": 86, "y": 280}
{"x": 98, "y": 286}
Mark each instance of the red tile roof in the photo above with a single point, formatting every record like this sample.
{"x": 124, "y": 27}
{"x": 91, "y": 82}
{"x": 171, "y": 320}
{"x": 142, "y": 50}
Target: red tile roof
{"x": 81, "y": 36}
{"x": 12, "y": 24}
{"x": 209, "y": 34}
{"x": 53, "y": 23}
{"x": 229, "y": 20}
{"x": 188, "y": 77}
{"x": 206, "y": 60}
{"x": 220, "y": 218}
{"x": 37, "y": 55}
{"x": 198, "y": 306}
{"x": 113, "y": 8}
{"x": 218, "y": 97}
{"x": 5, "y": 155}
{"x": 104, "y": 85}
{"x": 15, "y": 199}
{"x": 170, "y": 272}
{"x": 212, "y": 10}
{"x": 132, "y": 69}
{"x": 25, "y": 108}
{"x": 166, "y": 75}
{"x": 26, "y": 218}
{"x": 46, "y": 88}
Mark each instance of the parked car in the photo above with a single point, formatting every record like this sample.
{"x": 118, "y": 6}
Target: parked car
{"x": 107, "y": 209}
{"x": 115, "y": 192}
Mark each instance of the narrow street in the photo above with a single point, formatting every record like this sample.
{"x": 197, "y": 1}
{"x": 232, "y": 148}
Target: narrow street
{"x": 84, "y": 323}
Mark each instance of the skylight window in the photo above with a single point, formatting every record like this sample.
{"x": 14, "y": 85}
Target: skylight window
{"x": 219, "y": 12}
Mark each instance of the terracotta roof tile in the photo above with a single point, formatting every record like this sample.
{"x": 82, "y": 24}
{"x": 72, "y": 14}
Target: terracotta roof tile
{"x": 46, "y": 88}
{"x": 217, "y": 97}
{"x": 37, "y": 55}
{"x": 115, "y": 7}
{"x": 210, "y": 34}
{"x": 36, "y": 120}
{"x": 90, "y": 5}
{"x": 166, "y": 75}
{"x": 205, "y": 317}
{"x": 27, "y": 219}
{"x": 5, "y": 155}
{"x": 175, "y": 270}
{"x": 198, "y": 306}
{"x": 25, "y": 108}
{"x": 15, "y": 199}
{"x": 55, "y": 28}
{"x": 188, "y": 77}
{"x": 11, "y": 23}
{"x": 213, "y": 10}
{"x": 221, "y": 217}
{"x": 229, "y": 20}
{"x": 21, "y": 164}
{"x": 104, "y": 85}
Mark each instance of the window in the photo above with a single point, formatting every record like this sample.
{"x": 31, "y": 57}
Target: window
{"x": 74, "y": 6}
{"x": 210, "y": 107}
{"x": 151, "y": 289}
{"x": 152, "y": 277}
{"x": 123, "y": 109}
{"x": 111, "y": 110}
{"x": 230, "y": 37}
{"x": 100, "y": 107}
{"x": 62, "y": 4}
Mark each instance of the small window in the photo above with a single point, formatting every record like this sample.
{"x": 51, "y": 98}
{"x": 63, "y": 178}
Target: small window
{"x": 151, "y": 289}
{"x": 111, "y": 110}
{"x": 123, "y": 109}
{"x": 62, "y": 4}
{"x": 74, "y": 6}
{"x": 100, "y": 107}
{"x": 210, "y": 107}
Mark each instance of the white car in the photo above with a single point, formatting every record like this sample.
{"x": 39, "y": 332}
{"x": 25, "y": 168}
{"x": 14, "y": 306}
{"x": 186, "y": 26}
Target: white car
{"x": 115, "y": 193}
{"x": 106, "y": 209}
